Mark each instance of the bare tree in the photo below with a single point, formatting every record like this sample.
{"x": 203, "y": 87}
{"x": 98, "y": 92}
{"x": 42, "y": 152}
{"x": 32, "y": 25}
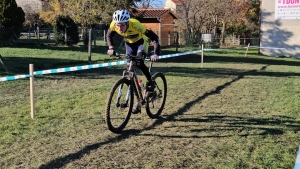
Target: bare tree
{"x": 31, "y": 10}
{"x": 143, "y": 3}
{"x": 149, "y": 3}
{"x": 197, "y": 16}
{"x": 227, "y": 11}
{"x": 193, "y": 16}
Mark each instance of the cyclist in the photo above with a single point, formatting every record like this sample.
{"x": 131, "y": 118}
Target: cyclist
{"x": 136, "y": 43}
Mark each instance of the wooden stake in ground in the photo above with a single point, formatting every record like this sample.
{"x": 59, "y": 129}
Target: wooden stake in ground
{"x": 90, "y": 47}
{"x": 2, "y": 62}
{"x": 31, "y": 69}
{"x": 202, "y": 57}
{"x": 247, "y": 50}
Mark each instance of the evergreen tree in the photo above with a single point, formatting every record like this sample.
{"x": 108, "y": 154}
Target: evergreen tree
{"x": 11, "y": 15}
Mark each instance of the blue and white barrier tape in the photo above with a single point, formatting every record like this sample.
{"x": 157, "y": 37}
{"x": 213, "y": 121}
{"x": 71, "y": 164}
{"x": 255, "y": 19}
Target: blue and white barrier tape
{"x": 179, "y": 54}
{"x": 273, "y": 48}
{"x": 224, "y": 49}
{"x": 60, "y": 70}
{"x": 14, "y": 77}
{"x": 77, "y": 68}
{"x": 297, "y": 163}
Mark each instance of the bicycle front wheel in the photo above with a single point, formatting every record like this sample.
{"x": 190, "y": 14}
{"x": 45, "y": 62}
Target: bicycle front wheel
{"x": 119, "y": 105}
{"x": 156, "y": 103}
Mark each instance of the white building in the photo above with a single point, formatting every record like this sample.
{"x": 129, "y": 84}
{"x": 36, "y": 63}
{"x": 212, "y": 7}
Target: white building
{"x": 280, "y": 28}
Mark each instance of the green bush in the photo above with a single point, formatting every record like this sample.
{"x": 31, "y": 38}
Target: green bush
{"x": 12, "y": 18}
{"x": 63, "y": 24}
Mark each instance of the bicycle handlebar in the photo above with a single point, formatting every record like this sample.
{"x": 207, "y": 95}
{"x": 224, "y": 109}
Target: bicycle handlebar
{"x": 127, "y": 56}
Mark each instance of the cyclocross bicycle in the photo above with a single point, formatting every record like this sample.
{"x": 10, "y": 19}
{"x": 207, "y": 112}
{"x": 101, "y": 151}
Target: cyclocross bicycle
{"x": 121, "y": 97}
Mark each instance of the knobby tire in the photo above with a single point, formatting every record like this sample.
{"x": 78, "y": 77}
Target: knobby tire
{"x": 112, "y": 110}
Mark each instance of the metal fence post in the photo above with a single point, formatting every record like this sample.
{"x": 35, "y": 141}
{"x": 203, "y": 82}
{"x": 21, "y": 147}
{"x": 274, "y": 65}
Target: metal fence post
{"x": 2, "y": 62}
{"x": 94, "y": 37}
{"x": 66, "y": 35}
{"x": 104, "y": 35}
{"x": 90, "y": 46}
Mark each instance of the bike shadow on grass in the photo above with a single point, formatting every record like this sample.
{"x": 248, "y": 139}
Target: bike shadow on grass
{"x": 228, "y": 126}
{"x": 233, "y": 122}
{"x": 276, "y": 125}
{"x": 249, "y": 126}
{"x": 62, "y": 161}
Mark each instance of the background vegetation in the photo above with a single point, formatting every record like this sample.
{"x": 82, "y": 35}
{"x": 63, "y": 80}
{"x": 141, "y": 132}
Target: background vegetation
{"x": 195, "y": 17}
{"x": 235, "y": 112}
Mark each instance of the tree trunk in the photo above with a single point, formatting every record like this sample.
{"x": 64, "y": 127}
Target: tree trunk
{"x": 223, "y": 33}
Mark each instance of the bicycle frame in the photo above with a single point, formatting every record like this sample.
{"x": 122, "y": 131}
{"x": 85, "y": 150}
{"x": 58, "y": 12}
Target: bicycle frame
{"x": 130, "y": 73}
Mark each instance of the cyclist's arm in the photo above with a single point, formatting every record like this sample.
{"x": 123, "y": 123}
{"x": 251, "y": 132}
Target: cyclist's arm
{"x": 154, "y": 38}
{"x": 109, "y": 38}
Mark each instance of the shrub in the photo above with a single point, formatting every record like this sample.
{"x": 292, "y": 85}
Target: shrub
{"x": 63, "y": 24}
{"x": 12, "y": 18}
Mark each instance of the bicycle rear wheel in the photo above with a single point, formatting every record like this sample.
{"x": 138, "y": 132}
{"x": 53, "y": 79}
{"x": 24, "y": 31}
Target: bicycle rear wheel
{"x": 119, "y": 105}
{"x": 156, "y": 103}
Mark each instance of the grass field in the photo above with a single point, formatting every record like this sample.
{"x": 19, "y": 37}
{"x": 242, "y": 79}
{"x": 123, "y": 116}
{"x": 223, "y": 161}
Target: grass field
{"x": 236, "y": 112}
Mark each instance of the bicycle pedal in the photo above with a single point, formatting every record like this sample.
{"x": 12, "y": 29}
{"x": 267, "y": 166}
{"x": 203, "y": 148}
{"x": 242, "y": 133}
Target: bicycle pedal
{"x": 149, "y": 94}
{"x": 136, "y": 112}
{"x": 136, "y": 108}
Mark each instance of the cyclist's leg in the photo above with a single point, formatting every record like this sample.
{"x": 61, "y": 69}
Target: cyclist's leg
{"x": 129, "y": 51}
{"x": 138, "y": 48}
{"x": 142, "y": 49}
{"x": 150, "y": 84}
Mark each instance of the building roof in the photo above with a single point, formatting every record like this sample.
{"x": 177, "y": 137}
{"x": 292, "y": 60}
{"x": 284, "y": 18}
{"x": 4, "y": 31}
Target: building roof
{"x": 153, "y": 13}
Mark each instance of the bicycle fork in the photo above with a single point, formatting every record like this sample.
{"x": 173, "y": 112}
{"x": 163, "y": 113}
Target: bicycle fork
{"x": 120, "y": 91}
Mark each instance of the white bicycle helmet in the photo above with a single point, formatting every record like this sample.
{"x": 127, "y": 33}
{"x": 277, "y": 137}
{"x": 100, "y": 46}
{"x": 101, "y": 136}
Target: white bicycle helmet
{"x": 121, "y": 16}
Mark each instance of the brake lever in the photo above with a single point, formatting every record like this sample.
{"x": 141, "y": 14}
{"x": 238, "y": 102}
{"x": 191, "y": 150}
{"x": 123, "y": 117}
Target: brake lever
{"x": 117, "y": 55}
